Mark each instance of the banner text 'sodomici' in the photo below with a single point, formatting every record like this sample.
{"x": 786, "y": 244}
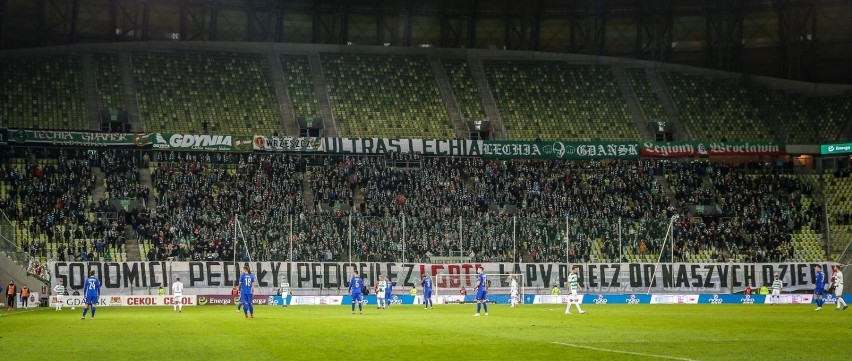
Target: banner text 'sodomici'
{"x": 218, "y": 277}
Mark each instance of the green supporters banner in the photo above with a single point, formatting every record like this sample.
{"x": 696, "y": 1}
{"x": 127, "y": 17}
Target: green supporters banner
{"x": 226, "y": 143}
{"x": 710, "y": 149}
{"x": 4, "y": 136}
{"x": 561, "y": 150}
{"x": 70, "y": 138}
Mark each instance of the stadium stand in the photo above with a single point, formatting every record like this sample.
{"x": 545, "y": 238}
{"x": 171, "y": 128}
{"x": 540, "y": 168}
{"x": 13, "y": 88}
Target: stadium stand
{"x": 122, "y": 175}
{"x": 603, "y": 210}
{"x": 715, "y": 109}
{"x": 479, "y": 210}
{"x": 804, "y": 119}
{"x": 794, "y": 112}
{"x": 645, "y": 93}
{"x": 333, "y": 182}
{"x": 837, "y": 188}
{"x": 473, "y": 208}
{"x": 199, "y": 194}
{"x": 297, "y": 72}
{"x": 832, "y": 112}
{"x": 205, "y": 93}
{"x": 43, "y": 92}
{"x": 762, "y": 217}
{"x": 480, "y": 198}
{"x": 50, "y": 202}
{"x": 385, "y": 96}
{"x": 108, "y": 81}
{"x": 557, "y": 100}
{"x": 464, "y": 89}
{"x": 688, "y": 184}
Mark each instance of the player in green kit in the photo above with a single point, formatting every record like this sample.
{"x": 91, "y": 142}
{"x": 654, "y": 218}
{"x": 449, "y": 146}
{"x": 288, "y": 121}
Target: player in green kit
{"x": 59, "y": 290}
{"x": 776, "y": 290}
{"x": 381, "y": 288}
{"x": 285, "y": 291}
{"x": 574, "y": 287}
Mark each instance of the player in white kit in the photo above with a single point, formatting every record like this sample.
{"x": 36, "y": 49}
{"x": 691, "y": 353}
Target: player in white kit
{"x": 777, "y": 285}
{"x": 285, "y": 291}
{"x": 381, "y": 286}
{"x": 513, "y": 291}
{"x": 59, "y": 290}
{"x": 177, "y": 291}
{"x": 574, "y": 288}
{"x": 838, "y": 287}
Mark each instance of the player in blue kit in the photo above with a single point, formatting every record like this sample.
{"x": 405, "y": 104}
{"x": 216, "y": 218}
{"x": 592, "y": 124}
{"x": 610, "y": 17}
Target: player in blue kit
{"x": 388, "y": 292}
{"x": 426, "y": 282}
{"x": 819, "y": 288}
{"x": 247, "y": 282}
{"x": 481, "y": 291}
{"x": 92, "y": 285}
{"x": 355, "y": 286}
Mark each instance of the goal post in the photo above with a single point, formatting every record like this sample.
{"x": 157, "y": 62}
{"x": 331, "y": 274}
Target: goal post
{"x": 448, "y": 287}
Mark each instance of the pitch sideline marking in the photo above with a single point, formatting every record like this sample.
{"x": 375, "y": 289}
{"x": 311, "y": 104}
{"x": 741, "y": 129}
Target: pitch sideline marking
{"x": 622, "y": 352}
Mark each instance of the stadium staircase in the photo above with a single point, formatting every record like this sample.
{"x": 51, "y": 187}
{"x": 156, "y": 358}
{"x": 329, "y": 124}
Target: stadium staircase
{"x": 11, "y": 270}
{"x": 99, "y": 193}
{"x": 632, "y": 103}
{"x": 145, "y": 181}
{"x": 90, "y": 88}
{"x": 358, "y": 198}
{"x": 13, "y": 260}
{"x": 765, "y": 113}
{"x": 131, "y": 244}
{"x": 131, "y": 104}
{"x": 488, "y": 102}
{"x": 322, "y": 95}
{"x": 808, "y": 243}
{"x": 838, "y": 201}
{"x": 447, "y": 96}
{"x": 672, "y": 114}
{"x": 667, "y": 188}
{"x": 285, "y": 105}
{"x": 307, "y": 195}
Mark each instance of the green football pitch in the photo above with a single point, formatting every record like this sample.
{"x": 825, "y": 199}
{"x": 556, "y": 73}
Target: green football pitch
{"x": 534, "y": 332}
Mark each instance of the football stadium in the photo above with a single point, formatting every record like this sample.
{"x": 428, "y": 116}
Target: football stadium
{"x": 434, "y": 179}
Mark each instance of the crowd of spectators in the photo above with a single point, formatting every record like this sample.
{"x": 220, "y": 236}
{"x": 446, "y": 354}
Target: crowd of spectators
{"x": 120, "y": 167}
{"x": 687, "y": 180}
{"x": 49, "y": 197}
{"x": 373, "y": 209}
{"x": 199, "y": 198}
{"x": 334, "y": 181}
{"x": 477, "y": 209}
{"x": 756, "y": 214}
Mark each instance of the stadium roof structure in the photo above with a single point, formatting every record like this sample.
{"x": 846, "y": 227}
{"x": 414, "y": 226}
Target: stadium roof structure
{"x": 808, "y": 40}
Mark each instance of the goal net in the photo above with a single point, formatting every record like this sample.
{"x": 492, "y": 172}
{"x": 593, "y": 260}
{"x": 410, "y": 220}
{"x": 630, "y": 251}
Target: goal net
{"x": 452, "y": 288}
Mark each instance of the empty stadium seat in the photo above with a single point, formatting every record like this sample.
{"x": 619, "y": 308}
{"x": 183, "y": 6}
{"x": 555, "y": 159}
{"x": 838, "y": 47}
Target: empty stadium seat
{"x": 385, "y": 96}
{"x": 716, "y": 109}
{"x": 226, "y": 93}
{"x": 557, "y": 100}
{"x": 108, "y": 81}
{"x": 648, "y": 100}
{"x": 464, "y": 89}
{"x": 43, "y": 92}
{"x": 300, "y": 85}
